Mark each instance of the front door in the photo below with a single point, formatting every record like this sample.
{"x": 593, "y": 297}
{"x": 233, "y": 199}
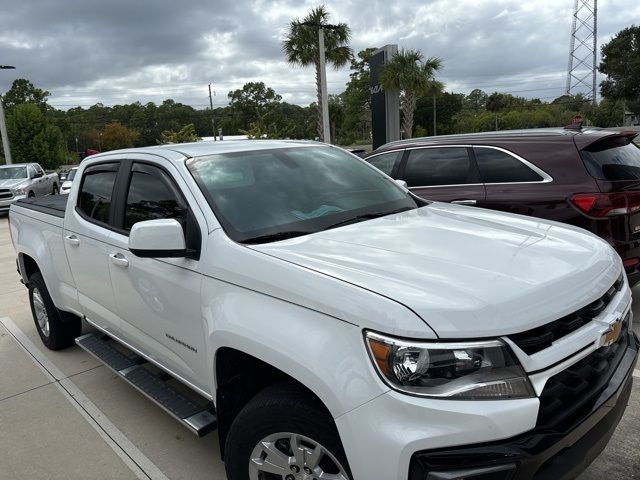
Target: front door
{"x": 159, "y": 298}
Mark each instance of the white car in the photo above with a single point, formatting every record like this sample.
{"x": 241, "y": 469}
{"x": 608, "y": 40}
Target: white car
{"x": 332, "y": 325}
{"x": 66, "y": 185}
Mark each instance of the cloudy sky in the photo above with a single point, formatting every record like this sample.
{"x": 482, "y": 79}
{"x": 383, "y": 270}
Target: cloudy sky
{"x": 119, "y": 51}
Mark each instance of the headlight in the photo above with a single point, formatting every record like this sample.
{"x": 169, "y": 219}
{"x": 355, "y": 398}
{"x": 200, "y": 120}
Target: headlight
{"x": 20, "y": 191}
{"x": 481, "y": 370}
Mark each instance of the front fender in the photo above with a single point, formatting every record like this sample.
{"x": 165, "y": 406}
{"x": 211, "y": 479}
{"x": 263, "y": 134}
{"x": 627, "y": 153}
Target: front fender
{"x": 325, "y": 354}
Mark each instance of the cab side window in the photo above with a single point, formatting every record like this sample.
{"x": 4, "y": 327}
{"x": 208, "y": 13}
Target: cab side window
{"x": 96, "y": 192}
{"x": 32, "y": 171}
{"x": 151, "y": 196}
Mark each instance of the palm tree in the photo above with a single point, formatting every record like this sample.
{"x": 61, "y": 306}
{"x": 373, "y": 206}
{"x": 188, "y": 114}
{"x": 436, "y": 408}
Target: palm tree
{"x": 413, "y": 76}
{"x": 301, "y": 47}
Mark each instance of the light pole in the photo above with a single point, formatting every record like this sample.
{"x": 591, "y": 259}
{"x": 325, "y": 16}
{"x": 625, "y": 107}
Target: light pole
{"x": 213, "y": 119}
{"x": 3, "y": 126}
{"x": 324, "y": 98}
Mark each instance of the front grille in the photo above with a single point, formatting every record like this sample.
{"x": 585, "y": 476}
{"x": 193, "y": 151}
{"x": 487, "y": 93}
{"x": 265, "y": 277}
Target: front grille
{"x": 5, "y": 193}
{"x": 571, "y": 394}
{"x": 539, "y": 338}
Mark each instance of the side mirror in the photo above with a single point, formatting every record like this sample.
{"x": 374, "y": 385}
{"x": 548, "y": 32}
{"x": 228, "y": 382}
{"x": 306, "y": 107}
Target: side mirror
{"x": 403, "y": 184}
{"x": 161, "y": 238}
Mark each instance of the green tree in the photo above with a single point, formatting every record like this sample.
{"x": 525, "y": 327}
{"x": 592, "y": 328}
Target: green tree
{"x": 476, "y": 101}
{"x": 115, "y": 136}
{"x": 409, "y": 72}
{"x": 33, "y": 138}
{"x": 300, "y": 46}
{"x": 621, "y": 64}
{"x": 357, "y": 99}
{"x": 250, "y": 103}
{"x": 23, "y": 91}
{"x": 184, "y": 135}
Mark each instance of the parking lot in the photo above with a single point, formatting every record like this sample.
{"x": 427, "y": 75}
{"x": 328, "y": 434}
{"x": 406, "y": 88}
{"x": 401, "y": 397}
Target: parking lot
{"x": 64, "y": 416}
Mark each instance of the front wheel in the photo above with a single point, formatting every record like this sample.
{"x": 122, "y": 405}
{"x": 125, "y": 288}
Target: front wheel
{"x": 284, "y": 434}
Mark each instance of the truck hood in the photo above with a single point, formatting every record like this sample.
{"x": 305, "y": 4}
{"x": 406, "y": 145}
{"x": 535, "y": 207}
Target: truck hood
{"x": 12, "y": 182}
{"x": 466, "y": 272}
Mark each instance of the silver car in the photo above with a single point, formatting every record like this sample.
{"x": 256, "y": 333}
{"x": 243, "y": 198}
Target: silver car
{"x": 25, "y": 180}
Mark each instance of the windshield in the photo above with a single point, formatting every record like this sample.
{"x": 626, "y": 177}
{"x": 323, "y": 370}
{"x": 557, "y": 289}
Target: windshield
{"x": 617, "y": 158}
{"x": 71, "y": 174}
{"x": 13, "y": 172}
{"x": 273, "y": 194}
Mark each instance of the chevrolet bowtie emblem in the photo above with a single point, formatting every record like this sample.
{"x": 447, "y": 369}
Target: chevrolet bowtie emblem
{"x": 612, "y": 335}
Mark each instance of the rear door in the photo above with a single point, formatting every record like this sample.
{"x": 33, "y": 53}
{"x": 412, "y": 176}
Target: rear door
{"x": 87, "y": 230}
{"x": 443, "y": 173}
{"x": 512, "y": 183}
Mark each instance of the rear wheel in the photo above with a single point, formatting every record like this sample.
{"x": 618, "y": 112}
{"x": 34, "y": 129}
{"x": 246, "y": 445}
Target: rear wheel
{"x": 57, "y": 329}
{"x": 31, "y": 194}
{"x": 55, "y": 189}
{"x": 284, "y": 434}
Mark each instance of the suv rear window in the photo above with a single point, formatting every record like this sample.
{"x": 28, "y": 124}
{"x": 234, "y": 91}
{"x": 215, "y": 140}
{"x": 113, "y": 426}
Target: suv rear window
{"x": 613, "y": 159}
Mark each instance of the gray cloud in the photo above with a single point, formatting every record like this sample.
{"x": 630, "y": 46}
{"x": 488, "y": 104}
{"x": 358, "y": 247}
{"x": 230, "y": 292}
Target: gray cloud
{"x": 86, "y": 51}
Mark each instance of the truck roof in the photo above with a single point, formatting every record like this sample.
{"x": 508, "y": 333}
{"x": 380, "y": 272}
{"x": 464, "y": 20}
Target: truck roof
{"x": 178, "y": 151}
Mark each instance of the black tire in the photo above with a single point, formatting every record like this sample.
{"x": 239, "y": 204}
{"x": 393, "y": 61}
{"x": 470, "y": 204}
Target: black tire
{"x": 63, "y": 327}
{"x": 55, "y": 189}
{"x": 31, "y": 194}
{"x": 282, "y": 407}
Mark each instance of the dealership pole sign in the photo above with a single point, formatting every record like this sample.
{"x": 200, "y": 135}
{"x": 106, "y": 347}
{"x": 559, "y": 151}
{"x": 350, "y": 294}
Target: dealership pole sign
{"x": 385, "y": 104}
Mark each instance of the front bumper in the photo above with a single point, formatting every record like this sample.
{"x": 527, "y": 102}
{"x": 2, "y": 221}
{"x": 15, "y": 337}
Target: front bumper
{"x": 542, "y": 453}
{"x": 397, "y": 436}
{"x": 5, "y": 204}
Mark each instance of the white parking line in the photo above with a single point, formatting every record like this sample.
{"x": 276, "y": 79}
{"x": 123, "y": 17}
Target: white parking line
{"x": 139, "y": 464}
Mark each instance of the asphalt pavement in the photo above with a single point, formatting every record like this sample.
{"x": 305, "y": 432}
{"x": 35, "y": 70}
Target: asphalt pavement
{"x": 65, "y": 416}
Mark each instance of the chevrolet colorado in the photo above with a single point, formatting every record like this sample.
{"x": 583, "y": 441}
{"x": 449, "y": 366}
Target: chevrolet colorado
{"x": 326, "y": 322}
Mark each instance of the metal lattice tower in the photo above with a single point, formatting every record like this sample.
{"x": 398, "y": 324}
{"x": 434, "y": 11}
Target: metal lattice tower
{"x": 581, "y": 74}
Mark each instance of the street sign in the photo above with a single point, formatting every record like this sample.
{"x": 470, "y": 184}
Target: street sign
{"x": 577, "y": 119}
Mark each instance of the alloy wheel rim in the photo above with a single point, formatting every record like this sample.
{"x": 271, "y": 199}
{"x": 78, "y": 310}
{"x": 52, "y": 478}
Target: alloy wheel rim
{"x": 41, "y": 312}
{"x": 290, "y": 456}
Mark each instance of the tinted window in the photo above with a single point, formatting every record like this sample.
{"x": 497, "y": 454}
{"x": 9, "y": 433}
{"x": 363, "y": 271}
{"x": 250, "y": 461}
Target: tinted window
{"x": 384, "y": 162}
{"x": 613, "y": 159}
{"x": 273, "y": 194}
{"x": 150, "y": 197}
{"x": 438, "y": 166}
{"x": 96, "y": 193}
{"x": 500, "y": 167}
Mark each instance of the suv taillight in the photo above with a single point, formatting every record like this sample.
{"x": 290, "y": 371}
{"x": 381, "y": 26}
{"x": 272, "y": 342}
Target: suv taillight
{"x": 607, "y": 204}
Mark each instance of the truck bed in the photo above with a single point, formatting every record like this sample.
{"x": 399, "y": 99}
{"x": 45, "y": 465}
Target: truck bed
{"x": 51, "y": 204}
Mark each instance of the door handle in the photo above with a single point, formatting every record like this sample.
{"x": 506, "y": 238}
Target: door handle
{"x": 465, "y": 202}
{"x": 119, "y": 260}
{"x": 72, "y": 240}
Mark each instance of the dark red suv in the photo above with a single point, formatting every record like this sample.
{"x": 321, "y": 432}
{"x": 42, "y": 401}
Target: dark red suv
{"x": 585, "y": 177}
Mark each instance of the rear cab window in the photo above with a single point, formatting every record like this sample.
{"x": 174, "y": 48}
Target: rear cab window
{"x": 612, "y": 159}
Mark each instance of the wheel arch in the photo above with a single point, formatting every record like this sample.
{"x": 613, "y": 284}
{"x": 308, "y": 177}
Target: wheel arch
{"x": 240, "y": 377}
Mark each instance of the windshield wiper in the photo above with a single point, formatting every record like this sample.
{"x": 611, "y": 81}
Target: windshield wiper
{"x": 367, "y": 216}
{"x": 274, "y": 237}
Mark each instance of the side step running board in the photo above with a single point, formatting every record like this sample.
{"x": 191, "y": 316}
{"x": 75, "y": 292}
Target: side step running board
{"x": 199, "y": 419}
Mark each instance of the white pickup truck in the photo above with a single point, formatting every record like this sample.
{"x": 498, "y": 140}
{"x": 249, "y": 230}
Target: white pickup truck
{"x": 326, "y": 322}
